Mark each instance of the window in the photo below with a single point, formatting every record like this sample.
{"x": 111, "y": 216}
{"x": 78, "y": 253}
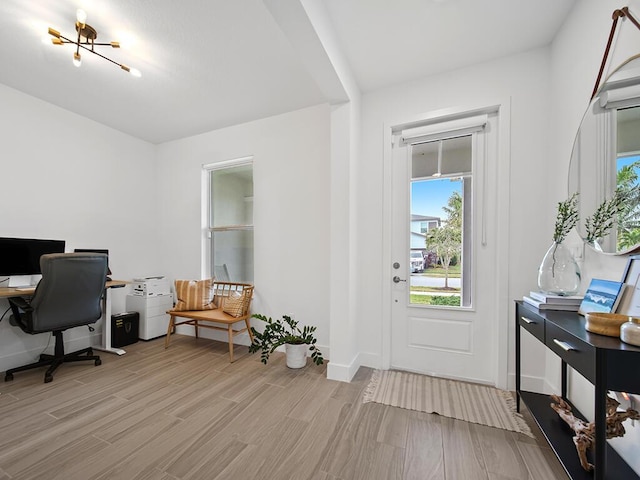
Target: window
{"x": 628, "y": 178}
{"x": 441, "y": 187}
{"x": 449, "y": 179}
{"x": 230, "y": 222}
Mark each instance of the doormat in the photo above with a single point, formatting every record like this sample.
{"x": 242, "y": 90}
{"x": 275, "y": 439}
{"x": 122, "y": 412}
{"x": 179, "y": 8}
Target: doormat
{"x": 470, "y": 402}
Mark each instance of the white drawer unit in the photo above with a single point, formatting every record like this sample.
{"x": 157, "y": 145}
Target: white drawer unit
{"x": 153, "y": 314}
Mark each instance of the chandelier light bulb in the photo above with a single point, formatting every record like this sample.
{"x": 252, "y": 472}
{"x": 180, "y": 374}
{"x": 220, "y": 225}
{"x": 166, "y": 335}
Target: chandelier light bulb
{"x": 81, "y": 16}
{"x": 77, "y": 59}
{"x": 133, "y": 71}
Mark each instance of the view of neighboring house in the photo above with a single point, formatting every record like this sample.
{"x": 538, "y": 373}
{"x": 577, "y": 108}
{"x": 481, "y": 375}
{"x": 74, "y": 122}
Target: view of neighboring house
{"x": 420, "y": 225}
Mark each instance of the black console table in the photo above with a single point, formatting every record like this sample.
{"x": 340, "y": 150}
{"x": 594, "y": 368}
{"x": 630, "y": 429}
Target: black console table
{"x": 606, "y": 362}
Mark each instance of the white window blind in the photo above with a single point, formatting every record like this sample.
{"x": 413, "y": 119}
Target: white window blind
{"x": 443, "y": 130}
{"x": 620, "y": 97}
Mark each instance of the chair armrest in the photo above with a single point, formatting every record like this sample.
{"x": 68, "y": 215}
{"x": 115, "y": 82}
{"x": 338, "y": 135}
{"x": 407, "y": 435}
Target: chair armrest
{"x": 21, "y": 303}
{"x": 19, "y": 307}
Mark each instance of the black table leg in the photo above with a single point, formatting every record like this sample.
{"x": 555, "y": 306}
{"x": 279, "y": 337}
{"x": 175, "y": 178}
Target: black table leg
{"x": 600, "y": 405}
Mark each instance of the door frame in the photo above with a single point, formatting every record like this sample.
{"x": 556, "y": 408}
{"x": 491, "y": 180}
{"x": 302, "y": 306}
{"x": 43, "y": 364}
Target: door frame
{"x": 503, "y": 305}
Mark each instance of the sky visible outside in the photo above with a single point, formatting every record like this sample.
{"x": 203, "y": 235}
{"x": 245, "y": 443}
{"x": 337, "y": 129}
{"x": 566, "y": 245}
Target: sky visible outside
{"x": 429, "y": 196}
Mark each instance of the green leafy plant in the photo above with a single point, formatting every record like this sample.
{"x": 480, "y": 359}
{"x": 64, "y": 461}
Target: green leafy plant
{"x": 445, "y": 300}
{"x": 629, "y": 217}
{"x": 566, "y": 218}
{"x": 280, "y": 332}
{"x": 603, "y": 219}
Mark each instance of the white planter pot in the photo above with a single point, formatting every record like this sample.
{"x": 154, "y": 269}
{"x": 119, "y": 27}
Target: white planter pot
{"x": 296, "y": 355}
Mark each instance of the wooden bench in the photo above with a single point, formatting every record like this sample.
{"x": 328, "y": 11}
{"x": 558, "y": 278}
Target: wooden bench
{"x": 213, "y": 319}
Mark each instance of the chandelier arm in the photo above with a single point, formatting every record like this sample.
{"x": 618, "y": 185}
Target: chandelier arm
{"x": 81, "y": 45}
{"x": 100, "y": 55}
{"x": 66, "y": 40}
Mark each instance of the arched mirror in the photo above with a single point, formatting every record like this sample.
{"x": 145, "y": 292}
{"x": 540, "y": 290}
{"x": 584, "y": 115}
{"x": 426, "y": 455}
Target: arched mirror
{"x": 606, "y": 159}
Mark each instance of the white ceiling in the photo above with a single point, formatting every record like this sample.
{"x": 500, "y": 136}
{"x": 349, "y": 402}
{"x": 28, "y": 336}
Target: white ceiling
{"x": 208, "y": 64}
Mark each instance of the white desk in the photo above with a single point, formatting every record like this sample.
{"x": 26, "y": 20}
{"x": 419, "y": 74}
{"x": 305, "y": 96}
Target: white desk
{"x": 6, "y": 292}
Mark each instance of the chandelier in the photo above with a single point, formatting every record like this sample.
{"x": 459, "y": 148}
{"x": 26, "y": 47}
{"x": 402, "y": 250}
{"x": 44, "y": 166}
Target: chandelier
{"x": 86, "y": 40}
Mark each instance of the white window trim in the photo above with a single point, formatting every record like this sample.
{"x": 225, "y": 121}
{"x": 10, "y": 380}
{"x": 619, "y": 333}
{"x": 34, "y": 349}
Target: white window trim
{"x": 205, "y": 243}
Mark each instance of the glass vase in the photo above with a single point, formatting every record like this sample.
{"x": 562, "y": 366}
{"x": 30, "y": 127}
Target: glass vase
{"x": 559, "y": 273}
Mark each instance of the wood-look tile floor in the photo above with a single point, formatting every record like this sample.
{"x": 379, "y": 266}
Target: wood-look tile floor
{"x": 187, "y": 413}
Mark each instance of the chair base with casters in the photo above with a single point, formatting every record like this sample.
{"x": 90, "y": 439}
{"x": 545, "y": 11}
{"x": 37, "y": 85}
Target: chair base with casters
{"x": 55, "y": 360}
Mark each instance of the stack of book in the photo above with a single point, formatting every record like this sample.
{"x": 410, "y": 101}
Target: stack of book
{"x": 547, "y": 301}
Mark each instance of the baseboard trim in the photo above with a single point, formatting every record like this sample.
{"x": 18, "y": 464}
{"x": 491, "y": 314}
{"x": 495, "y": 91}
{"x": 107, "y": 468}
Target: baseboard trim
{"x": 371, "y": 360}
{"x": 242, "y": 339}
{"x": 343, "y": 372}
{"x": 530, "y": 384}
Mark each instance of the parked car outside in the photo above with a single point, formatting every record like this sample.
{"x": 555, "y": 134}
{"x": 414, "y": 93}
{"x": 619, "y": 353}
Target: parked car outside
{"x": 416, "y": 261}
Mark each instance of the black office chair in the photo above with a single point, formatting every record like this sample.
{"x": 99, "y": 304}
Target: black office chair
{"x": 69, "y": 295}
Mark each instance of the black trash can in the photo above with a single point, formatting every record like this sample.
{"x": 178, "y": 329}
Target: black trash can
{"x": 124, "y": 328}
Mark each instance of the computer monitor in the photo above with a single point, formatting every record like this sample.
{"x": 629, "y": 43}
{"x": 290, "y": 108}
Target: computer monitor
{"x": 20, "y": 257}
{"x": 94, "y": 250}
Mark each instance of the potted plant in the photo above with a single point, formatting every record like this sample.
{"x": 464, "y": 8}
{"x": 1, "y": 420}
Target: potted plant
{"x": 285, "y": 331}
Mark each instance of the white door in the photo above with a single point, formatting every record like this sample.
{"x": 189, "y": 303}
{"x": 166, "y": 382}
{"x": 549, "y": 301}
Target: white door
{"x": 447, "y": 330}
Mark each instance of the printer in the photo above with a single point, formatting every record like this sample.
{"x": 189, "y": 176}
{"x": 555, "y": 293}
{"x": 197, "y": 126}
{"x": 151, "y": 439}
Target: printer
{"x": 151, "y": 286}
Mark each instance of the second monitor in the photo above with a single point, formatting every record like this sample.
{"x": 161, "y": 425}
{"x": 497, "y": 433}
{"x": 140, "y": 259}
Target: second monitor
{"x": 95, "y": 250}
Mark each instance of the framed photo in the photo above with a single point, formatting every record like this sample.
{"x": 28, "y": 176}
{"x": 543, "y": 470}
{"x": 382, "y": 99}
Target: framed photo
{"x": 630, "y": 302}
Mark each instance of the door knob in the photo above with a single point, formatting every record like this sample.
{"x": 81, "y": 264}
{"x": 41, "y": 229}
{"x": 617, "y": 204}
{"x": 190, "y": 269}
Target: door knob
{"x": 397, "y": 279}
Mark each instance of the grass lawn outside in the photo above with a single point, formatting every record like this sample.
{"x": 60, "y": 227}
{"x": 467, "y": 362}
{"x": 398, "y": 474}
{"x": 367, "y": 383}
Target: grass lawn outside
{"x": 454, "y": 272}
{"x": 417, "y": 288}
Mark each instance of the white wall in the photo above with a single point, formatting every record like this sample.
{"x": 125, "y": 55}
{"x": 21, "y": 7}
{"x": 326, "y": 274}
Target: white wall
{"x": 576, "y": 56}
{"x": 524, "y": 80}
{"x": 66, "y": 177}
{"x": 291, "y": 210}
